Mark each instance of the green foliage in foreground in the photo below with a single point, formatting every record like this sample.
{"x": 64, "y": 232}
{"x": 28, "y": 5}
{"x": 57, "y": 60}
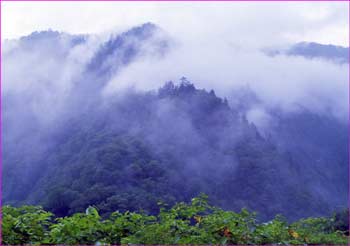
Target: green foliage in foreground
{"x": 194, "y": 223}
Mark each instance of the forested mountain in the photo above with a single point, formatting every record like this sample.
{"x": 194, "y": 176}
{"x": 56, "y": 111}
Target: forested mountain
{"x": 73, "y": 147}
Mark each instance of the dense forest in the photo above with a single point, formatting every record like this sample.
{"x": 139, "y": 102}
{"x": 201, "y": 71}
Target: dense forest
{"x": 72, "y": 147}
{"x": 177, "y": 142}
{"x": 194, "y": 223}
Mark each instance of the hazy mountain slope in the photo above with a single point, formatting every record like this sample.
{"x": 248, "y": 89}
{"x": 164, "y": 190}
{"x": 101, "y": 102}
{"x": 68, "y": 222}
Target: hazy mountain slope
{"x": 73, "y": 146}
{"x": 130, "y": 155}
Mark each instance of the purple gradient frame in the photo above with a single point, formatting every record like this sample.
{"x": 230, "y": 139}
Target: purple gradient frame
{"x": 348, "y": 147}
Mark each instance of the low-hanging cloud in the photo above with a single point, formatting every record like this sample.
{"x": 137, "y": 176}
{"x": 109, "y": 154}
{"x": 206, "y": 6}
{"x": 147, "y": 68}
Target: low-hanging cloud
{"x": 218, "y": 48}
{"x": 285, "y": 81}
{"x": 58, "y": 93}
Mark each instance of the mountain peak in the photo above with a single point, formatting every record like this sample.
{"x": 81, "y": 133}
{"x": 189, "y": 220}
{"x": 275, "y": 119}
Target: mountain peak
{"x": 142, "y": 31}
{"x": 122, "y": 48}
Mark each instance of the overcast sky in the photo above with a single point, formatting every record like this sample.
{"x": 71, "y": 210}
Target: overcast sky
{"x": 241, "y": 23}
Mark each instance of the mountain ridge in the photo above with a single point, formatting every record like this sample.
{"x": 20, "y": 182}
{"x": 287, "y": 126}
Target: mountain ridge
{"x": 135, "y": 148}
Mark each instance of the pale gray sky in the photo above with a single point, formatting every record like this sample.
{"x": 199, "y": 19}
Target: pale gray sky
{"x": 262, "y": 24}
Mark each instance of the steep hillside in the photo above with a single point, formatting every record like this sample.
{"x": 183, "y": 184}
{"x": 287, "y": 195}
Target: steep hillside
{"x": 67, "y": 145}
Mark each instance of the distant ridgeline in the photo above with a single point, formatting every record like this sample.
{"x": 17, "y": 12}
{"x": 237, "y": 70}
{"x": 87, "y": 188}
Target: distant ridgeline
{"x": 173, "y": 144}
{"x": 311, "y": 50}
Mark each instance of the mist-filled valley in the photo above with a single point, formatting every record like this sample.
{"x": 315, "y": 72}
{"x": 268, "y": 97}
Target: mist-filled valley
{"x": 124, "y": 120}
